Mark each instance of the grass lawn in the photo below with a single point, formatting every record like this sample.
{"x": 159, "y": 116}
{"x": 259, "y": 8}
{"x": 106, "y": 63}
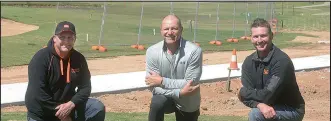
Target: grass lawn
{"x": 122, "y": 23}
{"x": 121, "y": 28}
{"x": 110, "y": 116}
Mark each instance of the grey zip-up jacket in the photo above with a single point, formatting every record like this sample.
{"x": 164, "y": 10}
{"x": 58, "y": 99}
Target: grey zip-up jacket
{"x": 187, "y": 66}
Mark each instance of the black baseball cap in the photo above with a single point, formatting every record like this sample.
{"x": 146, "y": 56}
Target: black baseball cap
{"x": 65, "y": 26}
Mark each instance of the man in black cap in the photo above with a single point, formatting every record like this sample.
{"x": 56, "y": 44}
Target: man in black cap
{"x": 54, "y": 74}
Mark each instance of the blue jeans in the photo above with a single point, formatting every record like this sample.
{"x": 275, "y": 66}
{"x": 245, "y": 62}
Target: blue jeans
{"x": 283, "y": 113}
{"x": 92, "y": 110}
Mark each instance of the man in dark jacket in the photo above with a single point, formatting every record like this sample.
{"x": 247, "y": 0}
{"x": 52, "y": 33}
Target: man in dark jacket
{"x": 269, "y": 82}
{"x": 54, "y": 74}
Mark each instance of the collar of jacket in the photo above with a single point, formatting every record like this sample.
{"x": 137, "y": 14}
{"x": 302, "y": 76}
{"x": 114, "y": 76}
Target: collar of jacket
{"x": 180, "y": 44}
{"x": 51, "y": 47}
{"x": 266, "y": 59}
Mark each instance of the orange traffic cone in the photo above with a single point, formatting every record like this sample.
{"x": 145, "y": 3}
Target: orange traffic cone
{"x": 233, "y": 63}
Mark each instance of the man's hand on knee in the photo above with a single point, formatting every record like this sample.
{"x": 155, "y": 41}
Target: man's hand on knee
{"x": 64, "y": 110}
{"x": 267, "y": 111}
{"x": 188, "y": 89}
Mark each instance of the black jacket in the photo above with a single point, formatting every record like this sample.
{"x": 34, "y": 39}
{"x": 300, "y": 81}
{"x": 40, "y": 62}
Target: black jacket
{"x": 48, "y": 88}
{"x": 271, "y": 81}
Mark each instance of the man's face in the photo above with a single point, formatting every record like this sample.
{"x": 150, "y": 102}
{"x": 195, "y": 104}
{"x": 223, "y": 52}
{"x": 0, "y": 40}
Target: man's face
{"x": 261, "y": 38}
{"x": 170, "y": 30}
{"x": 64, "y": 41}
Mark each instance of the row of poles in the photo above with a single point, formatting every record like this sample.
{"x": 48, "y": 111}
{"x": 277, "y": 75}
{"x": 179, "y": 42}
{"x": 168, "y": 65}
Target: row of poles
{"x": 216, "y": 41}
{"x": 141, "y": 47}
{"x": 138, "y": 46}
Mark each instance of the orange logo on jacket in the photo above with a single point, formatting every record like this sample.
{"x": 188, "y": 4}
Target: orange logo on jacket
{"x": 74, "y": 70}
{"x": 265, "y": 71}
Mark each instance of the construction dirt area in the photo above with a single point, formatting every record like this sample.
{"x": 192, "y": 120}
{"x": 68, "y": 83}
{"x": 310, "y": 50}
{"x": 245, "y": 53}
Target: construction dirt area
{"x": 314, "y": 85}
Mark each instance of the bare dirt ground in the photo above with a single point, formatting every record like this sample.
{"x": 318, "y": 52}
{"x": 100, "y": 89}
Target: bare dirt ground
{"x": 215, "y": 100}
{"x": 314, "y": 85}
{"x": 10, "y": 28}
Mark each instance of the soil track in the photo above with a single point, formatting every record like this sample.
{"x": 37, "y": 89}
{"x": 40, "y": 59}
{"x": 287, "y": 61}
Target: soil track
{"x": 11, "y": 28}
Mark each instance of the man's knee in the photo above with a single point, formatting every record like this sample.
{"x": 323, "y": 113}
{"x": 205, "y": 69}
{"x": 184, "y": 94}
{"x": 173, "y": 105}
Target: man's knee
{"x": 30, "y": 119}
{"x": 96, "y": 105}
{"x": 255, "y": 115}
{"x": 158, "y": 102}
{"x": 95, "y": 110}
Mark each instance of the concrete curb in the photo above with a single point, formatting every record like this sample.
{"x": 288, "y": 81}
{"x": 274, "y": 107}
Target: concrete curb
{"x": 13, "y": 94}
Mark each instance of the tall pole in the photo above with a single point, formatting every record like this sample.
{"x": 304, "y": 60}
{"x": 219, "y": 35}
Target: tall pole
{"x": 293, "y": 9}
{"x": 171, "y": 8}
{"x": 246, "y": 18}
{"x": 217, "y": 20}
{"x": 233, "y": 21}
{"x": 282, "y": 9}
{"x": 195, "y": 22}
{"x": 141, "y": 17}
{"x": 258, "y": 9}
{"x": 102, "y": 23}
{"x": 266, "y": 9}
{"x": 271, "y": 10}
{"x": 57, "y": 8}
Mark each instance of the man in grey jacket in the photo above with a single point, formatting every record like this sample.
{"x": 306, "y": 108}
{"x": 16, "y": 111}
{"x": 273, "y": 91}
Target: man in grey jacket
{"x": 173, "y": 71}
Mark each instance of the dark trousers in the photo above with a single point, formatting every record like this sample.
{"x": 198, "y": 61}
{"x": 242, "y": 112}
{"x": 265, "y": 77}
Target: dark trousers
{"x": 161, "y": 105}
{"x": 92, "y": 110}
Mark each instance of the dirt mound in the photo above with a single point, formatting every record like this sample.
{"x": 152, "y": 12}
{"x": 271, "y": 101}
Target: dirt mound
{"x": 11, "y": 28}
